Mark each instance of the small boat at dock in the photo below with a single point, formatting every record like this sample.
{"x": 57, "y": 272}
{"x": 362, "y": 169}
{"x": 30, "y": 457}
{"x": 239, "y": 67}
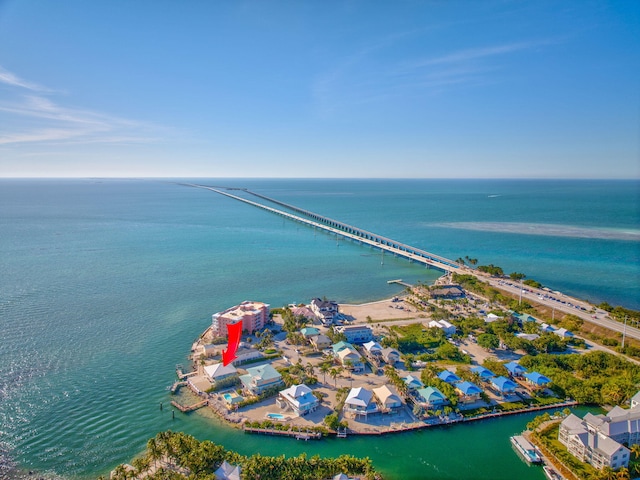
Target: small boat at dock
{"x": 526, "y": 449}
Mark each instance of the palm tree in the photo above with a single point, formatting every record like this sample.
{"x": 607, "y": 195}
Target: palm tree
{"x": 324, "y": 368}
{"x": 635, "y": 450}
{"x": 309, "y": 369}
{"x": 155, "y": 451}
{"x": 334, "y": 372}
{"x": 623, "y": 474}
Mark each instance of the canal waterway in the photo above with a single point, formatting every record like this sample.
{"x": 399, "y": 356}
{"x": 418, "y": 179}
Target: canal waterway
{"x": 105, "y": 284}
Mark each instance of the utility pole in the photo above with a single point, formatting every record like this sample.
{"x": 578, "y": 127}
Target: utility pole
{"x": 624, "y": 331}
{"x": 520, "y": 299}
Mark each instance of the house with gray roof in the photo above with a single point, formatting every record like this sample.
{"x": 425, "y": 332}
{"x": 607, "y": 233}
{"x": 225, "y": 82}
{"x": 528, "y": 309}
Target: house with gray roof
{"x": 588, "y": 444}
{"x": 390, "y": 355}
{"x": 360, "y": 401}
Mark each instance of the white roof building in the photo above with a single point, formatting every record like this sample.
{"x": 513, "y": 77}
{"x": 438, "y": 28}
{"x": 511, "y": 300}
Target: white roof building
{"x": 360, "y": 401}
{"x": 218, "y": 371}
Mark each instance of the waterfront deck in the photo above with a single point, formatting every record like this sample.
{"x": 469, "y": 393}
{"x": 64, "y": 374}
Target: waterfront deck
{"x": 284, "y": 433}
{"x": 399, "y": 249}
{"x": 189, "y": 408}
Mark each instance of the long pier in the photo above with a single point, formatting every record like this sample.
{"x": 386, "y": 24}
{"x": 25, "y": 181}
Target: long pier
{"x": 350, "y": 232}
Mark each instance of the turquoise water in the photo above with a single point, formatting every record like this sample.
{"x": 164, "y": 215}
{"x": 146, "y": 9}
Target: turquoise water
{"x": 104, "y": 285}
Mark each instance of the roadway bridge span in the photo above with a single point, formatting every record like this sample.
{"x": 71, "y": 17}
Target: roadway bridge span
{"x": 347, "y": 231}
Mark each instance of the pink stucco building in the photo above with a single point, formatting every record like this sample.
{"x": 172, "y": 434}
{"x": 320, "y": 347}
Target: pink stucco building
{"x": 253, "y": 315}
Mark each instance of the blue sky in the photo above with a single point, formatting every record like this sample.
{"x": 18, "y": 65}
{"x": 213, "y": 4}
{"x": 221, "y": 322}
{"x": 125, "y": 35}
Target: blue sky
{"x": 408, "y": 89}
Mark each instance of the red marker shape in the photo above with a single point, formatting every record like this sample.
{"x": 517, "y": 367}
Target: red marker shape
{"x": 234, "y": 331}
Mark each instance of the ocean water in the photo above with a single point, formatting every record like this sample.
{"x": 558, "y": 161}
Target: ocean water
{"x": 104, "y": 284}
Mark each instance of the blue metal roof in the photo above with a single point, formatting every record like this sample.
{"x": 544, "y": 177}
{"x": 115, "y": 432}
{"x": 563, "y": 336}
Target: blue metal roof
{"x": 448, "y": 376}
{"x": 537, "y": 378}
{"x": 483, "y": 372}
{"x": 504, "y": 384}
{"x": 515, "y": 368}
{"x": 468, "y": 388}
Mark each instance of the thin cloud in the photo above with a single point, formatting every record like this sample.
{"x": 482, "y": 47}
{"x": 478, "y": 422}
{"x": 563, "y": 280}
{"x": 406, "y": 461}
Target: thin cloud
{"x": 13, "y": 80}
{"x": 361, "y": 78}
{"x": 51, "y": 123}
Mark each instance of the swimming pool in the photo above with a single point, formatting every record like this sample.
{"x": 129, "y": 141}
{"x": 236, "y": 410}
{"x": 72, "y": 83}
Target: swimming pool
{"x": 275, "y": 416}
{"x": 232, "y": 397}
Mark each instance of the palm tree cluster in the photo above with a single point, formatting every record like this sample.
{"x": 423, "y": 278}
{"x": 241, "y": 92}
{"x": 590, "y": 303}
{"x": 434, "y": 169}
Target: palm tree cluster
{"x": 178, "y": 456}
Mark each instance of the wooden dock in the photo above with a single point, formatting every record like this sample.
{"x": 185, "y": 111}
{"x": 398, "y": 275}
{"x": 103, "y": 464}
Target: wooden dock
{"x": 285, "y": 433}
{"x": 400, "y": 282}
{"x": 189, "y": 408}
{"x": 176, "y": 386}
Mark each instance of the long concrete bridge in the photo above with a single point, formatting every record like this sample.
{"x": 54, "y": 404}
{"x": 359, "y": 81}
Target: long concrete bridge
{"x": 347, "y": 231}
{"x": 426, "y": 258}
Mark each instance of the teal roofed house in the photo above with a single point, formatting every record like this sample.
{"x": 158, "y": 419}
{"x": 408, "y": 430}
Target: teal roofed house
{"x": 537, "y": 379}
{"x": 431, "y": 397}
{"x": 341, "y": 346}
{"x": 308, "y": 332}
{"x": 522, "y": 318}
{"x": 258, "y": 379}
{"x": 448, "y": 376}
{"x": 503, "y": 385}
{"x": 484, "y": 374}
{"x": 515, "y": 369}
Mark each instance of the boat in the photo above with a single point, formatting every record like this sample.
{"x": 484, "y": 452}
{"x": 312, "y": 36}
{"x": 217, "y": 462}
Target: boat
{"x": 526, "y": 449}
{"x": 551, "y": 474}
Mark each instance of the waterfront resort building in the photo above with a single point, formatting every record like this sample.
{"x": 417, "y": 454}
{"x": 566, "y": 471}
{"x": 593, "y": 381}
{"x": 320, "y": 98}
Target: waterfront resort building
{"x": 258, "y": 379}
{"x": 388, "y": 397}
{"x": 360, "y": 402}
{"x": 431, "y": 398}
{"x": 597, "y": 439}
{"x": 299, "y": 398}
{"x": 253, "y": 315}
{"x": 356, "y": 333}
{"x": 218, "y": 372}
{"x": 325, "y": 310}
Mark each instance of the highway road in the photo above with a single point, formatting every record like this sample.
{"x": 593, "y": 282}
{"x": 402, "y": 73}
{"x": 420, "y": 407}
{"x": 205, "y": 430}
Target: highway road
{"x": 562, "y": 303}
